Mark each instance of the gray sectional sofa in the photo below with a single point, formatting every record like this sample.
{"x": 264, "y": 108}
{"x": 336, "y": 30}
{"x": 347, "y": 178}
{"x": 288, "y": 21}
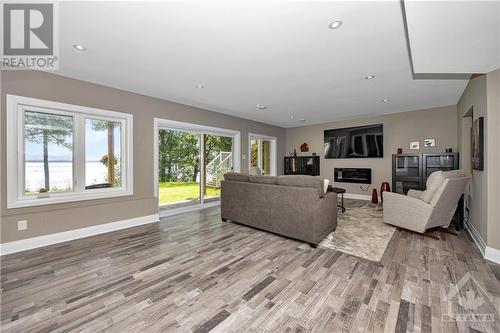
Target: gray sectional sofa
{"x": 292, "y": 206}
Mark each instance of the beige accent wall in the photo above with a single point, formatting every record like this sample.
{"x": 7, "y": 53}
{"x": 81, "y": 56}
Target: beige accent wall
{"x": 47, "y": 219}
{"x": 474, "y": 96}
{"x": 493, "y": 165}
{"x": 399, "y": 130}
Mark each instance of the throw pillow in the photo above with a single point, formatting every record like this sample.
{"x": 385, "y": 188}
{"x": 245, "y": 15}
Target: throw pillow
{"x": 326, "y": 182}
{"x": 236, "y": 177}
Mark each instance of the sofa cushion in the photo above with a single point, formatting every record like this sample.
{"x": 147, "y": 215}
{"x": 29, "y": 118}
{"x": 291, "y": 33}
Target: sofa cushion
{"x": 263, "y": 179}
{"x": 255, "y": 171}
{"x": 434, "y": 181}
{"x": 236, "y": 177}
{"x": 303, "y": 181}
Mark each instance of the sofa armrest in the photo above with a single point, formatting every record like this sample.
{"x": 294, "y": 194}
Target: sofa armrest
{"x": 406, "y": 212}
{"x": 325, "y": 217}
{"x": 414, "y": 193}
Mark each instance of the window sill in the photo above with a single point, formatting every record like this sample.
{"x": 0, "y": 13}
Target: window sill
{"x": 29, "y": 202}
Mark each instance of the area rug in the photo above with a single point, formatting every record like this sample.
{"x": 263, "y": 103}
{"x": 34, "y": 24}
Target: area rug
{"x": 360, "y": 231}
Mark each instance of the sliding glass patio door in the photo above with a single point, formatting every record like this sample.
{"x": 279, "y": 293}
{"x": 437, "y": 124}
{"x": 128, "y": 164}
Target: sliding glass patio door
{"x": 179, "y": 167}
{"x": 191, "y": 164}
{"x": 218, "y": 152}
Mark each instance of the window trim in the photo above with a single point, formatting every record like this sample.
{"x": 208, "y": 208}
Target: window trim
{"x": 15, "y": 151}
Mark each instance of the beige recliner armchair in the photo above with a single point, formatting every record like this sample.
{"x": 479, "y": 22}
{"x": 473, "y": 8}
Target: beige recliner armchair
{"x": 422, "y": 210}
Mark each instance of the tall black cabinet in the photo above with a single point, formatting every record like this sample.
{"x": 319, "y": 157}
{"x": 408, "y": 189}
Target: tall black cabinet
{"x": 406, "y": 172}
{"x": 302, "y": 165}
{"x": 437, "y": 162}
{"x": 410, "y": 171}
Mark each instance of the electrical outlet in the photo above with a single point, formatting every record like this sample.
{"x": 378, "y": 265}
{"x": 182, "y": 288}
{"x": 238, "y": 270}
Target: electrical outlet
{"x": 22, "y": 225}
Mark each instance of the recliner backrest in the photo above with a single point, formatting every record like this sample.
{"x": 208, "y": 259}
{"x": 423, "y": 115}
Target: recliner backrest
{"x": 446, "y": 199}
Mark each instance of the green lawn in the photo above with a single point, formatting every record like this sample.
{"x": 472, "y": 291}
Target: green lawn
{"x": 174, "y": 192}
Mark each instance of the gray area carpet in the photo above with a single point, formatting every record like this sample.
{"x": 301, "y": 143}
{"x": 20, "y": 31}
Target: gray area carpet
{"x": 360, "y": 231}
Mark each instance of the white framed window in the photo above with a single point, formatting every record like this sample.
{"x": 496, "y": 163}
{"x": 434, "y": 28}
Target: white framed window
{"x": 59, "y": 152}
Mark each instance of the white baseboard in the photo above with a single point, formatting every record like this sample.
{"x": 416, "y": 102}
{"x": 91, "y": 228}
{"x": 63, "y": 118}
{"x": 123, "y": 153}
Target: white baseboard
{"x": 357, "y": 196}
{"x": 478, "y": 240}
{"x": 59, "y": 237}
{"x": 492, "y": 254}
{"x": 489, "y": 253}
{"x": 360, "y": 197}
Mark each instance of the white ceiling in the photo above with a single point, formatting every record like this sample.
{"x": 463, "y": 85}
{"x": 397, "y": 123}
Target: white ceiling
{"x": 454, "y": 36}
{"x": 280, "y": 54}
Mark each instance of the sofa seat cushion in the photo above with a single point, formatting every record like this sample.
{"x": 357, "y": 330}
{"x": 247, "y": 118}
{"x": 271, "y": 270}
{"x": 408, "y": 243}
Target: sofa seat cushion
{"x": 263, "y": 179}
{"x": 303, "y": 181}
{"x": 434, "y": 181}
{"x": 236, "y": 177}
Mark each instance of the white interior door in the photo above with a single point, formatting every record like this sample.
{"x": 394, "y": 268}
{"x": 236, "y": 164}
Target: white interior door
{"x": 262, "y": 153}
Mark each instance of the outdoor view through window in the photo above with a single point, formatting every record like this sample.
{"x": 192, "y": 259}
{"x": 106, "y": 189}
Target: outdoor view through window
{"x": 102, "y": 140}
{"x": 181, "y": 173}
{"x": 48, "y": 152}
{"x": 49, "y": 148}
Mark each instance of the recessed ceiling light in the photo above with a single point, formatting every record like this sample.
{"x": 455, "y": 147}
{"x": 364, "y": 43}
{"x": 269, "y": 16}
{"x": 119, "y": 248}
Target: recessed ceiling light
{"x": 261, "y": 107}
{"x": 200, "y": 86}
{"x": 292, "y": 116}
{"x": 79, "y": 47}
{"x": 302, "y": 120}
{"x": 369, "y": 77}
{"x": 385, "y": 100}
{"x": 335, "y": 24}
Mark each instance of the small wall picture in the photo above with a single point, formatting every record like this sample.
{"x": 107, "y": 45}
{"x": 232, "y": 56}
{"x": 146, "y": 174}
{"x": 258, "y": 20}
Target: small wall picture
{"x": 414, "y": 145}
{"x": 477, "y": 137}
{"x": 430, "y": 143}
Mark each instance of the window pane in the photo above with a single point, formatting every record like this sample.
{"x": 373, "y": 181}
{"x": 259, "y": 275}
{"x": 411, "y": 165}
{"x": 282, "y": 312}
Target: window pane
{"x": 103, "y": 167}
{"x": 266, "y": 157}
{"x": 218, "y": 161}
{"x": 254, "y": 158}
{"x": 48, "y": 152}
{"x": 178, "y": 168}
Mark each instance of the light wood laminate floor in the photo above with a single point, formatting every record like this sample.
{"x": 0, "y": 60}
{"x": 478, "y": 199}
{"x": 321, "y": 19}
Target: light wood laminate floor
{"x": 194, "y": 273}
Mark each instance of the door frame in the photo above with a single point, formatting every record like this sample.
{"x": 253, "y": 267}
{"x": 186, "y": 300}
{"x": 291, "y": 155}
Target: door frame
{"x": 274, "y": 140}
{"x": 160, "y": 123}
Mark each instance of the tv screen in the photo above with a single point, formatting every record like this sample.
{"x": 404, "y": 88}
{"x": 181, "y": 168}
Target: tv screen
{"x": 355, "y": 142}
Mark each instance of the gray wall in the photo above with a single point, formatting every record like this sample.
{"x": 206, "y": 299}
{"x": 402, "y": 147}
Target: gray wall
{"x": 399, "y": 130}
{"x": 493, "y": 153}
{"x": 482, "y": 94}
{"x": 474, "y": 96}
{"x": 48, "y": 219}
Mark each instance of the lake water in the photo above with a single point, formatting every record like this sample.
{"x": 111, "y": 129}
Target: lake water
{"x": 61, "y": 175}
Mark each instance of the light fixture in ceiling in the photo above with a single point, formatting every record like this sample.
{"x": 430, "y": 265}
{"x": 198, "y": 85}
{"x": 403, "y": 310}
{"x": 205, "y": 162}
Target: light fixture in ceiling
{"x": 385, "y": 100}
{"x": 261, "y": 107}
{"x": 335, "y": 24}
{"x": 200, "y": 86}
{"x": 79, "y": 47}
{"x": 369, "y": 77}
{"x": 292, "y": 116}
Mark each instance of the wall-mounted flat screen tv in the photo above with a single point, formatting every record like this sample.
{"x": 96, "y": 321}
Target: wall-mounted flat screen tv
{"x": 355, "y": 142}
